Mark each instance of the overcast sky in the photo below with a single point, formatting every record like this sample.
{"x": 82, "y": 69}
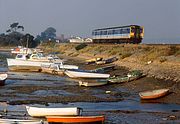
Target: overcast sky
{"x": 160, "y": 18}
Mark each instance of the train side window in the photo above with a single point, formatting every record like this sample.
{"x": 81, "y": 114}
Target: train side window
{"x": 104, "y": 32}
{"x": 93, "y": 33}
{"x": 121, "y": 31}
{"x": 113, "y": 31}
{"x": 109, "y": 32}
{"x": 128, "y": 30}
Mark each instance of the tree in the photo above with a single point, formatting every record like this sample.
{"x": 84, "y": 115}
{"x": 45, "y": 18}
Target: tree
{"x": 49, "y": 33}
{"x": 14, "y": 26}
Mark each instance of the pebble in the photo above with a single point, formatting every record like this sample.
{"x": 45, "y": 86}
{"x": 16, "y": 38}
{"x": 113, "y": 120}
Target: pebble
{"x": 108, "y": 91}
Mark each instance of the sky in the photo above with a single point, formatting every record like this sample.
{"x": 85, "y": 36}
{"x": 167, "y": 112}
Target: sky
{"x": 160, "y": 18}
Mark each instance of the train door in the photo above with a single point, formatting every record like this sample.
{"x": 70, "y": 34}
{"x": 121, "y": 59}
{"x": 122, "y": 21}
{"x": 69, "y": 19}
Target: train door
{"x": 137, "y": 33}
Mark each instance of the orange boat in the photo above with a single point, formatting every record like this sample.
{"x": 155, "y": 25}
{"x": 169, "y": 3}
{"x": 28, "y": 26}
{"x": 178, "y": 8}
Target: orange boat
{"x": 154, "y": 94}
{"x": 75, "y": 119}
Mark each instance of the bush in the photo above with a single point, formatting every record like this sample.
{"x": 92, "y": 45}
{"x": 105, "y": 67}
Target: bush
{"x": 162, "y": 59}
{"x": 80, "y": 46}
{"x": 124, "y": 55}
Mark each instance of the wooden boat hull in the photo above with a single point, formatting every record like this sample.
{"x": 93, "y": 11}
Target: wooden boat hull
{"x": 91, "y": 61}
{"x": 41, "y": 112}
{"x": 134, "y": 75}
{"x": 122, "y": 79}
{"x": 76, "y": 119}
{"x": 154, "y": 94}
{"x": 106, "y": 61}
{"x": 78, "y": 74}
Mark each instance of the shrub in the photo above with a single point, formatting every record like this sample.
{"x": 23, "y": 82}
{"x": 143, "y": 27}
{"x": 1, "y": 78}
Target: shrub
{"x": 80, "y": 46}
{"x": 124, "y": 55}
{"x": 162, "y": 59}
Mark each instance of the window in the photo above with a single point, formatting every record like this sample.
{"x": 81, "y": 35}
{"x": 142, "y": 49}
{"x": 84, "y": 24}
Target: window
{"x": 19, "y": 56}
{"x": 110, "y": 32}
{"x": 132, "y": 29}
{"x": 128, "y": 30}
{"x": 104, "y": 32}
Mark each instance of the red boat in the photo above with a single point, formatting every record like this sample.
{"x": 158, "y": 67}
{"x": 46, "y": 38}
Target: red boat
{"x": 75, "y": 119}
{"x": 154, "y": 94}
{"x": 3, "y": 78}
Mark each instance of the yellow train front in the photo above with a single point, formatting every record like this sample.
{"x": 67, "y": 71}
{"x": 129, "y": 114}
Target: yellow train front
{"x": 124, "y": 34}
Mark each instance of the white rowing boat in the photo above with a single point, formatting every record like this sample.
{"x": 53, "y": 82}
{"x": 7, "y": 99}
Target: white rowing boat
{"x": 85, "y": 74}
{"x": 18, "y": 121}
{"x": 39, "y": 112}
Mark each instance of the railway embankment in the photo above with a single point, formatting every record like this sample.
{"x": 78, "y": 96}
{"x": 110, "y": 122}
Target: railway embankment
{"x": 159, "y": 61}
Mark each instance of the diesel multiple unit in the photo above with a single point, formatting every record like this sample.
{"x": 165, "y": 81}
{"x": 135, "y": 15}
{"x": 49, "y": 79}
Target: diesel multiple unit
{"x": 124, "y": 34}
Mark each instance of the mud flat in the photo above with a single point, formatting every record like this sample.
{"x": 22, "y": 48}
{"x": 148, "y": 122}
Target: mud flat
{"x": 121, "y": 104}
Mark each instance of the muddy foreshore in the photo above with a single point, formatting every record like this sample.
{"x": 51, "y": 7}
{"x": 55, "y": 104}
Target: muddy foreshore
{"x": 146, "y": 83}
{"x": 44, "y": 89}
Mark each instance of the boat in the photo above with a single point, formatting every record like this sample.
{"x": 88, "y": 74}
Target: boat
{"x": 133, "y": 75}
{"x": 85, "y": 74}
{"x": 107, "y": 61}
{"x": 3, "y": 78}
{"x": 154, "y": 94}
{"x": 26, "y": 62}
{"x": 92, "y": 83}
{"x": 41, "y": 112}
{"x": 19, "y": 121}
{"x": 21, "y": 50}
{"x": 94, "y": 60}
{"x": 104, "y": 69}
{"x": 56, "y": 68}
{"x": 75, "y": 119}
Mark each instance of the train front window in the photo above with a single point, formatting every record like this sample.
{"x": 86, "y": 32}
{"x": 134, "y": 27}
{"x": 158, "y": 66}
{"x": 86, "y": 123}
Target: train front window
{"x": 141, "y": 30}
{"x": 132, "y": 29}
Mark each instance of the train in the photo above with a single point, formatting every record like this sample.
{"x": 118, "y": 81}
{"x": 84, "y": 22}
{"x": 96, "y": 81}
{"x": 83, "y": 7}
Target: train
{"x": 123, "y": 34}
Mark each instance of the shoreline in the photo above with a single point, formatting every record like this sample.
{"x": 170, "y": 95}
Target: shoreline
{"x": 134, "y": 87}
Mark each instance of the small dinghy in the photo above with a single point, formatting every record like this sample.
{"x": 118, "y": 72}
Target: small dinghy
{"x": 104, "y": 69}
{"x": 85, "y": 74}
{"x": 107, "y": 61}
{"x": 3, "y": 78}
{"x": 92, "y": 83}
{"x": 75, "y": 119}
{"x": 18, "y": 121}
{"x": 41, "y": 112}
{"x": 154, "y": 94}
{"x": 94, "y": 60}
{"x": 133, "y": 75}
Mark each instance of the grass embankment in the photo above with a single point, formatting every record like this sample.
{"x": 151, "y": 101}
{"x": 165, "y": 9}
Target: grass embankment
{"x": 161, "y": 61}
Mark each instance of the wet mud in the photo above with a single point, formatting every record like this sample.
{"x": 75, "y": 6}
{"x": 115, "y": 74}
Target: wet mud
{"x": 120, "y": 103}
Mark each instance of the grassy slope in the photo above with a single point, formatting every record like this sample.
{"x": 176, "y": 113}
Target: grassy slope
{"x": 165, "y": 59}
